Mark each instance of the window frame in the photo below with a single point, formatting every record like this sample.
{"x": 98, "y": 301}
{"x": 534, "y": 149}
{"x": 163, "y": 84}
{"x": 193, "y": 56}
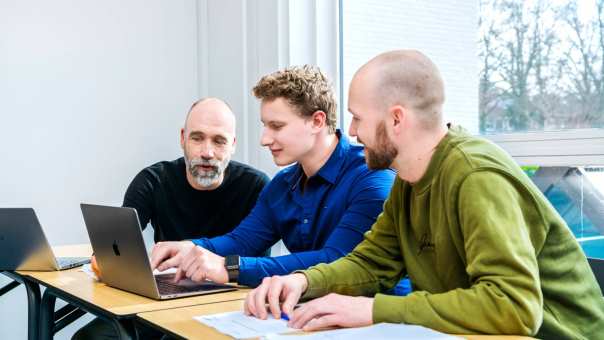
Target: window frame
{"x": 577, "y": 147}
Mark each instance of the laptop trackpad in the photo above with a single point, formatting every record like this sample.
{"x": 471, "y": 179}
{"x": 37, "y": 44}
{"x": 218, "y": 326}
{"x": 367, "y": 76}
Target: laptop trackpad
{"x": 166, "y": 285}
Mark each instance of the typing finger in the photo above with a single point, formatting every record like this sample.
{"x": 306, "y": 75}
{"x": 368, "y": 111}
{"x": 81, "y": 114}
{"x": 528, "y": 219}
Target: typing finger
{"x": 198, "y": 275}
{"x": 179, "y": 275}
{"x": 169, "y": 263}
{"x": 193, "y": 268}
{"x": 187, "y": 259}
{"x": 158, "y": 255}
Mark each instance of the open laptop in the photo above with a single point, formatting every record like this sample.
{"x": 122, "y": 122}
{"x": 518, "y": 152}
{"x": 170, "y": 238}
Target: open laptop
{"x": 117, "y": 241}
{"x": 23, "y": 245}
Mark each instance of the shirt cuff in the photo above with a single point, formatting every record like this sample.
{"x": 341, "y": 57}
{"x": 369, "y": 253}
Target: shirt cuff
{"x": 202, "y": 242}
{"x": 389, "y": 308}
{"x": 245, "y": 270}
{"x": 314, "y": 286}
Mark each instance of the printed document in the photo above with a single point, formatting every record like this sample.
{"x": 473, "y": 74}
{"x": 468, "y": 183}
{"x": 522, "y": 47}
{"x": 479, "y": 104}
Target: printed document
{"x": 240, "y": 326}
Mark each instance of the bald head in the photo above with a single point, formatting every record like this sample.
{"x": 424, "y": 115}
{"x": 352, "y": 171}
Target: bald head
{"x": 407, "y": 78}
{"x": 211, "y": 111}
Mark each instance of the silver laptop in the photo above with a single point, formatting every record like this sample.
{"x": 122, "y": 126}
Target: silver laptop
{"x": 117, "y": 241}
{"x": 23, "y": 245}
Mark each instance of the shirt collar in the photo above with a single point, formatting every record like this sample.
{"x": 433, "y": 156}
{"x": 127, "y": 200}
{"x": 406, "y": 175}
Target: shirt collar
{"x": 330, "y": 170}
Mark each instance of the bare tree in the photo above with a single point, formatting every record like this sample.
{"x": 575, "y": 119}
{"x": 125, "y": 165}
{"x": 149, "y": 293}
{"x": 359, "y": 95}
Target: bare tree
{"x": 541, "y": 67}
{"x": 489, "y": 57}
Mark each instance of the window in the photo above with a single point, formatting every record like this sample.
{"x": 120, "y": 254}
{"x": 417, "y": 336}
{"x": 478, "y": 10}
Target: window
{"x": 529, "y": 75}
{"x": 541, "y": 65}
{"x": 541, "y": 97}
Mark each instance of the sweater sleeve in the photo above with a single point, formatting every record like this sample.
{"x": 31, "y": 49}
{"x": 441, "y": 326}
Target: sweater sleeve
{"x": 503, "y": 294}
{"x": 374, "y": 265}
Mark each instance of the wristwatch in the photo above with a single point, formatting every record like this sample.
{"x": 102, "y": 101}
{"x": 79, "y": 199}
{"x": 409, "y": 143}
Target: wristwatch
{"x": 231, "y": 263}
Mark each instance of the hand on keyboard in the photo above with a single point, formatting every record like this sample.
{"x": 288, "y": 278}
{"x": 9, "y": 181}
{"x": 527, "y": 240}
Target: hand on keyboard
{"x": 95, "y": 267}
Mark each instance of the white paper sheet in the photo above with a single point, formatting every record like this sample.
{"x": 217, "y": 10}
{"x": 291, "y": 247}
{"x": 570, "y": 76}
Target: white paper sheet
{"x": 241, "y": 326}
{"x": 381, "y": 331}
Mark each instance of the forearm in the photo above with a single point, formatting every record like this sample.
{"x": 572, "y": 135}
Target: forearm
{"x": 358, "y": 273}
{"x": 342, "y": 276}
{"x": 229, "y": 245}
{"x": 254, "y": 235}
{"x": 484, "y": 308}
{"x": 254, "y": 269}
{"x": 374, "y": 265}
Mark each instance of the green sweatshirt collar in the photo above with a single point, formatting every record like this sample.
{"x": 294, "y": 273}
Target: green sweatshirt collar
{"x": 439, "y": 154}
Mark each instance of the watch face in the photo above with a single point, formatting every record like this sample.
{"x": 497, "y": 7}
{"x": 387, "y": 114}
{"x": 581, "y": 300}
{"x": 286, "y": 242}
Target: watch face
{"x": 231, "y": 262}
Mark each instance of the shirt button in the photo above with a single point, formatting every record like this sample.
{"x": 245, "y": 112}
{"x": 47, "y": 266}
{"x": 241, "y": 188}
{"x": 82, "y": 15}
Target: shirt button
{"x": 305, "y": 220}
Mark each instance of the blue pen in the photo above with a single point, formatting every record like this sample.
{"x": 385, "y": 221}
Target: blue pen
{"x": 284, "y": 316}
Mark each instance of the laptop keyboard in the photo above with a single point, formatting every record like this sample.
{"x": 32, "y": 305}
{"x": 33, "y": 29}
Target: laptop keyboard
{"x": 66, "y": 261}
{"x": 166, "y": 286}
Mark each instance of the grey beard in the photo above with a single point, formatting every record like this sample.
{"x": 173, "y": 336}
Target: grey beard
{"x": 206, "y": 182}
{"x": 206, "y": 179}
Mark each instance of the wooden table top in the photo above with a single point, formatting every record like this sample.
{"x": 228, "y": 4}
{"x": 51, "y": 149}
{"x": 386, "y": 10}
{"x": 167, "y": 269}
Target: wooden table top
{"x": 118, "y": 302}
{"x": 175, "y": 316}
{"x": 180, "y": 322}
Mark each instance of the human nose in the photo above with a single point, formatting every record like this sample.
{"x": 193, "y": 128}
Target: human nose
{"x": 352, "y": 130}
{"x": 207, "y": 151}
{"x": 266, "y": 139}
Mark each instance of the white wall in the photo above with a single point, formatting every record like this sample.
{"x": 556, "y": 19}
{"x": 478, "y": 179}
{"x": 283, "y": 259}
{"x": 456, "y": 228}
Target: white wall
{"x": 90, "y": 93}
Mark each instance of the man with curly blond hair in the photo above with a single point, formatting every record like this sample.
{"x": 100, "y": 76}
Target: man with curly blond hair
{"x": 320, "y": 205}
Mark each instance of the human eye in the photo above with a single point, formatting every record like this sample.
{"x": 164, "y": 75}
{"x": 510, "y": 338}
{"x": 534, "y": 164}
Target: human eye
{"x": 277, "y": 126}
{"x": 196, "y": 137}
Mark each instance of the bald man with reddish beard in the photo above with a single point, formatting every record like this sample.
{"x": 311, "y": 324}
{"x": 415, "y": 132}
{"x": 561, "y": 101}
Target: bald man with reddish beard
{"x": 484, "y": 249}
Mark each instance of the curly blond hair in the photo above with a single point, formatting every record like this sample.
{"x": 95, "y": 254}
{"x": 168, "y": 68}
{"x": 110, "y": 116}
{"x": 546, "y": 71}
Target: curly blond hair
{"x": 306, "y": 88}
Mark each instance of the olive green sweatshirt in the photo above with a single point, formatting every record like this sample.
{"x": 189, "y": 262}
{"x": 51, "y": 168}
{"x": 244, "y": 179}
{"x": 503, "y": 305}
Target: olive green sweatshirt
{"x": 484, "y": 249}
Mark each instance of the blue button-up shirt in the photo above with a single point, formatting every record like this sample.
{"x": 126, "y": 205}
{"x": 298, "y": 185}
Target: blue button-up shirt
{"x": 320, "y": 224}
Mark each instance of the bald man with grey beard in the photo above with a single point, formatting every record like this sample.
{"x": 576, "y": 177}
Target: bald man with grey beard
{"x": 202, "y": 194}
